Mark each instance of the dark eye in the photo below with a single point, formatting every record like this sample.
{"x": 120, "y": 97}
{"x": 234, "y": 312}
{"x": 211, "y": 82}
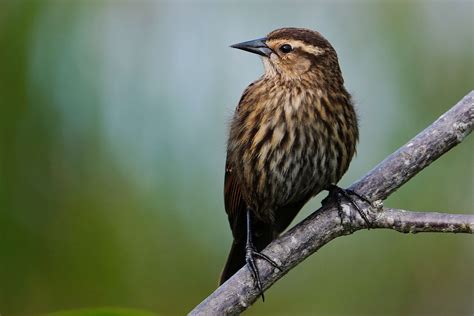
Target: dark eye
{"x": 286, "y": 48}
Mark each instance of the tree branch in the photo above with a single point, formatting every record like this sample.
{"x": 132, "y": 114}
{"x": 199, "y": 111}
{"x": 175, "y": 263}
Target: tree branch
{"x": 424, "y": 222}
{"x": 327, "y": 223}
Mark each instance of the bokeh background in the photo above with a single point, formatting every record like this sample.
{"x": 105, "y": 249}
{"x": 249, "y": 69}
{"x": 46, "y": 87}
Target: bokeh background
{"x": 113, "y": 122}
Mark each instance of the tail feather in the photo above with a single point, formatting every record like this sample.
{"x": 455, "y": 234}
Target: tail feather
{"x": 235, "y": 261}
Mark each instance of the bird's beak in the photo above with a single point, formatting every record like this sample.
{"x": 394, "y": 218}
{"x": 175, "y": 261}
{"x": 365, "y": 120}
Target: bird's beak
{"x": 257, "y": 46}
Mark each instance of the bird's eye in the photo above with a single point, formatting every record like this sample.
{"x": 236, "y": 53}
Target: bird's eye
{"x": 286, "y": 48}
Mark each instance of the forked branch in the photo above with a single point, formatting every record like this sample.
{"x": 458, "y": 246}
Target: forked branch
{"x": 327, "y": 223}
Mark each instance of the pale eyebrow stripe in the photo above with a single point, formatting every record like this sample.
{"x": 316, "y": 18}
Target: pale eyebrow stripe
{"x": 308, "y": 48}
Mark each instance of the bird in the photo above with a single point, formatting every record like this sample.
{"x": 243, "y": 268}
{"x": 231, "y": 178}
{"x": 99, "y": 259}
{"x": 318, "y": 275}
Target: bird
{"x": 292, "y": 135}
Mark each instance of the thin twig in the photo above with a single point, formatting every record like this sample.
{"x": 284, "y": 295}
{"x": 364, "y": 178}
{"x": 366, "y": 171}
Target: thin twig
{"x": 424, "y": 222}
{"x": 327, "y": 223}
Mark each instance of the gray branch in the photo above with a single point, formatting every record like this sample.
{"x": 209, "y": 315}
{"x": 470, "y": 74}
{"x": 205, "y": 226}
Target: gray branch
{"x": 423, "y": 222}
{"x": 329, "y": 222}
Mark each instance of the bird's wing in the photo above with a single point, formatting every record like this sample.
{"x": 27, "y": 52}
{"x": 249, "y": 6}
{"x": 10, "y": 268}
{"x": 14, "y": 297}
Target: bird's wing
{"x": 235, "y": 205}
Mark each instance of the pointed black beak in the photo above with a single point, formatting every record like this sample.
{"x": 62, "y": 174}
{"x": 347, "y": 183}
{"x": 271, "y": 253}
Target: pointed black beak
{"x": 257, "y": 46}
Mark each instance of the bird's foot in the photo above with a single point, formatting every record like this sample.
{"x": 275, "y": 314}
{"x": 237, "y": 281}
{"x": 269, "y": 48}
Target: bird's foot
{"x": 250, "y": 255}
{"x": 336, "y": 193}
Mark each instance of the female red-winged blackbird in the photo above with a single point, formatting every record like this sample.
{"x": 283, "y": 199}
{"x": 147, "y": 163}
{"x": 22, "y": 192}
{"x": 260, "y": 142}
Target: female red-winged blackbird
{"x": 293, "y": 134}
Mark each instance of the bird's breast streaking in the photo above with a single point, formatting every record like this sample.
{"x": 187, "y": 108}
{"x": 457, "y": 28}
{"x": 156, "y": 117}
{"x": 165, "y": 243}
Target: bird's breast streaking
{"x": 288, "y": 141}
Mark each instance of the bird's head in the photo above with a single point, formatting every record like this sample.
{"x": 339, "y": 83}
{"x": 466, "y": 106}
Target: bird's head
{"x": 291, "y": 53}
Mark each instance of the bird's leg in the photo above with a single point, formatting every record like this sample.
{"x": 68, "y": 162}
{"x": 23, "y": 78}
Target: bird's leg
{"x": 337, "y": 192}
{"x": 251, "y": 254}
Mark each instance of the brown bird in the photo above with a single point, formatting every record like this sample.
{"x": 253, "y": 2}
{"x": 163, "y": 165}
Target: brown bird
{"x": 293, "y": 135}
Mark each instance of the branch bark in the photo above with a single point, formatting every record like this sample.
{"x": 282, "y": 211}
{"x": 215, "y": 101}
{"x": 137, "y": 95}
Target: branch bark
{"x": 329, "y": 222}
{"x": 422, "y": 222}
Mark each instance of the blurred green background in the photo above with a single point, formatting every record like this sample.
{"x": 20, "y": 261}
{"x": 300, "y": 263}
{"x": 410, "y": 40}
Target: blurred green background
{"x": 113, "y": 121}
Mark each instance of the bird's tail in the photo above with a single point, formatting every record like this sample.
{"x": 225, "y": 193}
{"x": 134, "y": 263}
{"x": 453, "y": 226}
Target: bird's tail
{"x": 235, "y": 261}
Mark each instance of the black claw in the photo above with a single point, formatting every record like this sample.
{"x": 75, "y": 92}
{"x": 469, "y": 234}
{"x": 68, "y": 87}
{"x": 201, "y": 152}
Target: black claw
{"x": 249, "y": 258}
{"x": 251, "y": 254}
{"x": 336, "y": 191}
{"x": 360, "y": 196}
{"x": 267, "y": 259}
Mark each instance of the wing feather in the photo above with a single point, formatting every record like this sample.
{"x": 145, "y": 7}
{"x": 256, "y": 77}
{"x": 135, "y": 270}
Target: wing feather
{"x": 235, "y": 205}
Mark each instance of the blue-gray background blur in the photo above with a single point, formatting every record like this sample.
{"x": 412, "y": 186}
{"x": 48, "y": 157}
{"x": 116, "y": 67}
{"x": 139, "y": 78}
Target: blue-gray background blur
{"x": 113, "y": 122}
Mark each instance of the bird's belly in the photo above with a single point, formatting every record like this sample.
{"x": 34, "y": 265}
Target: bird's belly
{"x": 302, "y": 174}
{"x": 292, "y": 173}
